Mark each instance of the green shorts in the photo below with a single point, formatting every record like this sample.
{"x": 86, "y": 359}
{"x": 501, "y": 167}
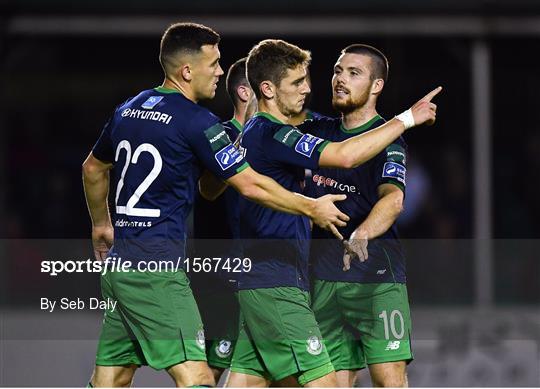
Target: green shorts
{"x": 155, "y": 322}
{"x": 363, "y": 323}
{"x": 220, "y": 313}
{"x": 279, "y": 336}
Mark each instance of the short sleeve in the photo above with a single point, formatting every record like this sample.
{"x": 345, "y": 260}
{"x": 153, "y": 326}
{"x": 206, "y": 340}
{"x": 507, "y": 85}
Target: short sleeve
{"x": 290, "y": 145}
{"x": 103, "y": 149}
{"x": 213, "y": 147}
{"x": 391, "y": 165}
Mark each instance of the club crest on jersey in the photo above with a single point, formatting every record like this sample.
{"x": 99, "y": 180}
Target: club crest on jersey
{"x": 228, "y": 156}
{"x": 200, "y": 339}
{"x": 224, "y": 348}
{"x": 151, "y": 102}
{"x": 395, "y": 171}
{"x": 314, "y": 345}
{"x": 306, "y": 144}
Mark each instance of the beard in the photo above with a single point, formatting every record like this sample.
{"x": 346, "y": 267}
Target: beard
{"x": 350, "y": 104}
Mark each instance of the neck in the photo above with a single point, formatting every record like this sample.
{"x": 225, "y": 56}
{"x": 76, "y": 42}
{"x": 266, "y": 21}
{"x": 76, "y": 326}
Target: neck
{"x": 240, "y": 114}
{"x": 295, "y": 120}
{"x": 359, "y": 116}
{"x": 269, "y": 106}
{"x": 180, "y": 87}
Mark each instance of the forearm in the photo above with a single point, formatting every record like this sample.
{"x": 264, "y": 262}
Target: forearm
{"x": 361, "y": 148}
{"x": 96, "y": 188}
{"x": 382, "y": 216}
{"x": 267, "y": 192}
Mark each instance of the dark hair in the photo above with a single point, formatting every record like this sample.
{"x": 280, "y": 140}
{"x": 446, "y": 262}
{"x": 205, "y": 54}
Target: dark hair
{"x": 184, "y": 38}
{"x": 270, "y": 60}
{"x": 236, "y": 76}
{"x": 379, "y": 62}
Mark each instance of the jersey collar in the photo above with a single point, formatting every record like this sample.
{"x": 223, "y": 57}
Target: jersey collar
{"x": 236, "y": 124}
{"x": 162, "y": 89}
{"x": 362, "y": 128}
{"x": 269, "y": 117}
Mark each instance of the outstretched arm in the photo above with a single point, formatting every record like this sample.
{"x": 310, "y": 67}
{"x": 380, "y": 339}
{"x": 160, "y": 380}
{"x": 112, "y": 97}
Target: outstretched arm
{"x": 267, "y": 192}
{"x": 361, "y": 148}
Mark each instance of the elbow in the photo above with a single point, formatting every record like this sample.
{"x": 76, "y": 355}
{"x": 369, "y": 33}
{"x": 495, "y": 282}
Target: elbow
{"x": 88, "y": 170}
{"x": 351, "y": 160}
{"x": 347, "y": 161}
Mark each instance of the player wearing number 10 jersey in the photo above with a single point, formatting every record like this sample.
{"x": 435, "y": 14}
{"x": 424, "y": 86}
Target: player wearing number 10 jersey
{"x": 156, "y": 143}
{"x": 279, "y": 337}
{"x": 362, "y": 306}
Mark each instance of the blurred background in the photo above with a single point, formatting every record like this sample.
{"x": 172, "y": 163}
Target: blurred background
{"x": 471, "y": 220}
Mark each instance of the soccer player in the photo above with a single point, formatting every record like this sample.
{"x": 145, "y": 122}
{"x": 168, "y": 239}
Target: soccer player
{"x": 216, "y": 231}
{"x": 155, "y": 144}
{"x": 296, "y": 119}
{"x": 279, "y": 337}
{"x": 361, "y": 305}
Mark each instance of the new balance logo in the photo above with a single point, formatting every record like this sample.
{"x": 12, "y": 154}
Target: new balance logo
{"x": 392, "y": 345}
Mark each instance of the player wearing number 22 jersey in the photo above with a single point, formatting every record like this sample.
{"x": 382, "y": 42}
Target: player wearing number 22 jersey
{"x": 160, "y": 138}
{"x": 155, "y": 145}
{"x": 167, "y": 137}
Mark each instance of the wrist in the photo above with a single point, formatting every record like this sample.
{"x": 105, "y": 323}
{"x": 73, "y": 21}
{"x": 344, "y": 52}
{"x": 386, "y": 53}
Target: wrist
{"x": 102, "y": 224}
{"x": 360, "y": 233}
{"x": 309, "y": 206}
{"x": 407, "y": 118}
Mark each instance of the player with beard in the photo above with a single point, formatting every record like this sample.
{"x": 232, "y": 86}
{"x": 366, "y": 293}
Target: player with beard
{"x": 361, "y": 305}
{"x": 279, "y": 337}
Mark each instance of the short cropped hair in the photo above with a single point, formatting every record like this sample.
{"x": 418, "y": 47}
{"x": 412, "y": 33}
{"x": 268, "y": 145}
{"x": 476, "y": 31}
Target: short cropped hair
{"x": 270, "y": 60}
{"x": 236, "y": 76}
{"x": 379, "y": 62}
{"x": 184, "y": 38}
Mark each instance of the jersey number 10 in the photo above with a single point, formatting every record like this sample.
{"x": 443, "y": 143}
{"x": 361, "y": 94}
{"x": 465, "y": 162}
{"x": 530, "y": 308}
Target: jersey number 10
{"x": 129, "y": 209}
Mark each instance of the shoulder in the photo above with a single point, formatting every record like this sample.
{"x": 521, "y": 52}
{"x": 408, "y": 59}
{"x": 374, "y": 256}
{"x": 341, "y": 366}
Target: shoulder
{"x": 322, "y": 123}
{"x": 200, "y": 119}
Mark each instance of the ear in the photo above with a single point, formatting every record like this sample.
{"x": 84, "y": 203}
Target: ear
{"x": 185, "y": 72}
{"x": 243, "y": 92}
{"x": 267, "y": 89}
{"x": 377, "y": 86}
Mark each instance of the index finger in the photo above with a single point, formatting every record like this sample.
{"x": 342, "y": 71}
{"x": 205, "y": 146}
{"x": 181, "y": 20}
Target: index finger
{"x": 337, "y": 197}
{"x": 432, "y": 94}
{"x": 336, "y": 232}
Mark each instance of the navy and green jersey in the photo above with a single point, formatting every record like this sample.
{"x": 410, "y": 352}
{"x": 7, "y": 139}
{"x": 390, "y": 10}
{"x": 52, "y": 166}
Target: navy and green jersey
{"x": 158, "y": 142}
{"x": 216, "y": 229}
{"x": 276, "y": 242}
{"x": 386, "y": 262}
{"x": 219, "y": 219}
{"x": 312, "y": 115}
